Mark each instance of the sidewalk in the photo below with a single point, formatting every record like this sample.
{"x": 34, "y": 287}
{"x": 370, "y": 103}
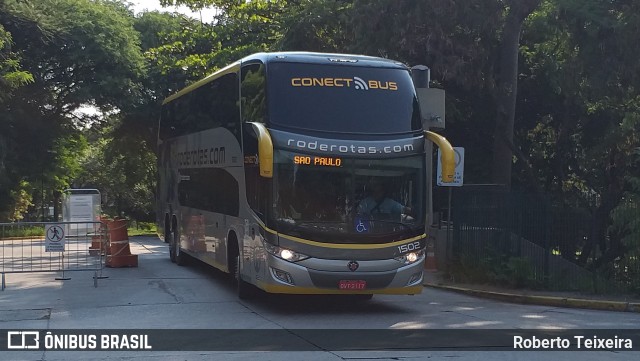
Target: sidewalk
{"x": 533, "y": 297}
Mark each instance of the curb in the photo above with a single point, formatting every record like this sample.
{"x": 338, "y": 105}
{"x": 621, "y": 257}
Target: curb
{"x": 601, "y": 305}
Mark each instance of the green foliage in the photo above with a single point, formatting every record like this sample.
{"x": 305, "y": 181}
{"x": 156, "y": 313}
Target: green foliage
{"x": 137, "y": 228}
{"x": 123, "y": 168}
{"x": 579, "y": 114}
{"x": 87, "y": 53}
{"x": 77, "y": 52}
{"x": 11, "y": 74}
{"x": 20, "y": 200}
{"x": 496, "y": 269}
{"x": 625, "y": 225}
{"x": 26, "y": 232}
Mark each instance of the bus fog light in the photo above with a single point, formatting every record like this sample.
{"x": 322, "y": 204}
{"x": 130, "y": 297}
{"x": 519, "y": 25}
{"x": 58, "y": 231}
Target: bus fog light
{"x": 415, "y": 278}
{"x": 282, "y": 276}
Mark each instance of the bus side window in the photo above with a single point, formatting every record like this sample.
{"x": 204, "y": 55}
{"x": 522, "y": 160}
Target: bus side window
{"x": 215, "y": 105}
{"x": 253, "y": 93}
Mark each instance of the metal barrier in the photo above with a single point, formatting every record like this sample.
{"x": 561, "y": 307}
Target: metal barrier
{"x": 524, "y": 240}
{"x": 52, "y": 247}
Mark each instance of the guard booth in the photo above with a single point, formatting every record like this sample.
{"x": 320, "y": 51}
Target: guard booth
{"x": 81, "y": 205}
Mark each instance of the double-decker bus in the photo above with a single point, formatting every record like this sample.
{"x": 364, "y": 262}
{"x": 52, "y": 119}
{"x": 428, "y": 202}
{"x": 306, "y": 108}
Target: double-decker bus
{"x": 299, "y": 173}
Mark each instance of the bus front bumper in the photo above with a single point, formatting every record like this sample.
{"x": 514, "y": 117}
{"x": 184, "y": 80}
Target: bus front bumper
{"x": 370, "y": 277}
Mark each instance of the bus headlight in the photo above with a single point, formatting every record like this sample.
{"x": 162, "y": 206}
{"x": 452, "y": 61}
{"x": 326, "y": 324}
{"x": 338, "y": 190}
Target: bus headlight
{"x": 411, "y": 257}
{"x": 284, "y": 253}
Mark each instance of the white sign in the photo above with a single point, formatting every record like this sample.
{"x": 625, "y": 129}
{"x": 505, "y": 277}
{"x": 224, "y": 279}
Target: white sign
{"x": 81, "y": 208}
{"x": 54, "y": 238}
{"x": 458, "y": 175}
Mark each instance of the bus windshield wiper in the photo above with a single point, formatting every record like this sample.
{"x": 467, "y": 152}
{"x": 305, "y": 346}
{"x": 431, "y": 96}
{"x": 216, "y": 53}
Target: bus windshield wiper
{"x": 404, "y": 225}
{"x": 301, "y": 224}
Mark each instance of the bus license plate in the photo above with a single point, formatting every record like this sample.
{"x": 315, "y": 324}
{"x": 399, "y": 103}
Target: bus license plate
{"x": 352, "y": 285}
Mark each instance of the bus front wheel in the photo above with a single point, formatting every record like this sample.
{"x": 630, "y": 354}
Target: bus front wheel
{"x": 245, "y": 290}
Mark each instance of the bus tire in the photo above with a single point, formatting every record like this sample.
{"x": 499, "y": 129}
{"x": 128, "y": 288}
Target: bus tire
{"x": 244, "y": 290}
{"x": 181, "y": 257}
{"x": 167, "y": 230}
{"x": 170, "y": 239}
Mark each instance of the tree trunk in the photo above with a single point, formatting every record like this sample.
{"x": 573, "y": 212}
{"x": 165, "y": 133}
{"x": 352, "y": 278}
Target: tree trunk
{"x": 56, "y": 205}
{"x": 507, "y": 86}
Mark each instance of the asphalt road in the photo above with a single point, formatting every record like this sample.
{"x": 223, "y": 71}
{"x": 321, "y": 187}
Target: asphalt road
{"x": 161, "y": 295}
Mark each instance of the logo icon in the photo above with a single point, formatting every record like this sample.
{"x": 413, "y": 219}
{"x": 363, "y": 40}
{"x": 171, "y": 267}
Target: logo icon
{"x": 23, "y": 340}
{"x": 360, "y": 83}
{"x": 353, "y": 266}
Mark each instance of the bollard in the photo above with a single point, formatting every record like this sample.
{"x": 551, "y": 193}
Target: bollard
{"x": 430, "y": 261}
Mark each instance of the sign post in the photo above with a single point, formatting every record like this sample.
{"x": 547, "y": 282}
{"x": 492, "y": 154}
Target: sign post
{"x": 54, "y": 242}
{"x": 458, "y": 181}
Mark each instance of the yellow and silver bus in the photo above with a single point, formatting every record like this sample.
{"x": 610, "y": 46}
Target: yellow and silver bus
{"x": 298, "y": 173}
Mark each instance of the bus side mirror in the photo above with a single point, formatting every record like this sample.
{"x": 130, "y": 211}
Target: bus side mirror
{"x": 265, "y": 150}
{"x": 447, "y": 155}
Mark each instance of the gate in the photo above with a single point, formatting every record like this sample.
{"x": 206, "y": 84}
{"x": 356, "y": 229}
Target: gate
{"x": 52, "y": 247}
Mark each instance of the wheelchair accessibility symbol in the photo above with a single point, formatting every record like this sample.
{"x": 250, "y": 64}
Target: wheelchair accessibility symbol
{"x": 361, "y": 225}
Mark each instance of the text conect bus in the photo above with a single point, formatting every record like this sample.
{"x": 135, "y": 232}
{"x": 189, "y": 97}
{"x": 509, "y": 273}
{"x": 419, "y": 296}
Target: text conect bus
{"x": 299, "y": 173}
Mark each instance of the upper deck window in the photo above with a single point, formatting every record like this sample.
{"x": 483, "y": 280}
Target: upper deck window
{"x": 342, "y": 99}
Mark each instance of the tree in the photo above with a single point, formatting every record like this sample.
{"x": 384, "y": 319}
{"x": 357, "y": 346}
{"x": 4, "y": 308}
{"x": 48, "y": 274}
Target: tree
{"x": 580, "y": 117}
{"x": 507, "y": 89}
{"x": 14, "y": 199}
{"x": 122, "y": 167}
{"x": 458, "y": 41}
{"x": 78, "y": 52}
{"x": 121, "y": 159}
{"x": 12, "y": 76}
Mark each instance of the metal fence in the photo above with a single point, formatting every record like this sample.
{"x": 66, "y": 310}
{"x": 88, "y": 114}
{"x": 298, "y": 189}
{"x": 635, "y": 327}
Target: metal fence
{"x": 61, "y": 247}
{"x": 523, "y": 240}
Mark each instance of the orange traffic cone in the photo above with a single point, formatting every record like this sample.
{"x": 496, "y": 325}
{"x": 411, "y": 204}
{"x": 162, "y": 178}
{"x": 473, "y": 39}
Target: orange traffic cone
{"x": 430, "y": 261}
{"x": 119, "y": 251}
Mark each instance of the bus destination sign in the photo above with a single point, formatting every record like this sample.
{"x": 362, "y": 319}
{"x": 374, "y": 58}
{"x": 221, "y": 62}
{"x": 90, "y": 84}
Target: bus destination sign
{"x": 315, "y": 160}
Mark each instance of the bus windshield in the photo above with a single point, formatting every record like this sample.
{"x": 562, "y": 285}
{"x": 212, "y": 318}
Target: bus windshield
{"x": 342, "y": 99}
{"x": 342, "y": 200}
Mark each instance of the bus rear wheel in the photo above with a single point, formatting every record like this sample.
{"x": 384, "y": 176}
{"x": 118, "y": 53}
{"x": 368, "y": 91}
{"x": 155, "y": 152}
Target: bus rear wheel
{"x": 181, "y": 257}
{"x": 169, "y": 238}
{"x": 175, "y": 253}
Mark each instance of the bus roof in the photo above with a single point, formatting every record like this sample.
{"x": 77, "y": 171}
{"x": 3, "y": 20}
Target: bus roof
{"x": 294, "y": 57}
{"x": 325, "y": 58}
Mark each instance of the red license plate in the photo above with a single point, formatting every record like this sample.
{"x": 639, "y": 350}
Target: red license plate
{"x": 352, "y": 285}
